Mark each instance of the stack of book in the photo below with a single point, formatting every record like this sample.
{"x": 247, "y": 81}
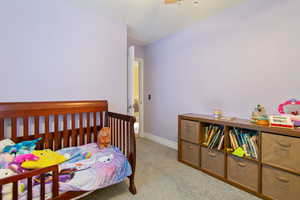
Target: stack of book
{"x": 214, "y": 137}
{"x": 246, "y": 140}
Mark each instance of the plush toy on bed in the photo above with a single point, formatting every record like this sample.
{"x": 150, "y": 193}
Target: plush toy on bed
{"x": 46, "y": 158}
{"x": 104, "y": 138}
{"x": 24, "y": 157}
{"x": 6, "y": 157}
{"x": 22, "y": 147}
{"x": 4, "y": 143}
{"x": 16, "y": 164}
{"x": 7, "y": 188}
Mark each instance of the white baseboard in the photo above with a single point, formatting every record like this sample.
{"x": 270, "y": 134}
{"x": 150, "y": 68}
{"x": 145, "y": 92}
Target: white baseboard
{"x": 160, "y": 140}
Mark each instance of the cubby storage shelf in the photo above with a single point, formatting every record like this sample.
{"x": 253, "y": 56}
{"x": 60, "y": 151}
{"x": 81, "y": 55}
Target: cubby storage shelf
{"x": 245, "y": 157}
{"x": 204, "y": 146}
{"x": 264, "y": 177}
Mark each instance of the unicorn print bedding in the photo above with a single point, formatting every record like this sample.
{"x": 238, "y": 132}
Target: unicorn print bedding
{"x": 88, "y": 168}
{"x": 103, "y": 168}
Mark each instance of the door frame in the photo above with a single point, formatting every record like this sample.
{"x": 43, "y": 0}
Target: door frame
{"x": 131, "y": 53}
{"x": 141, "y": 75}
{"x": 130, "y": 60}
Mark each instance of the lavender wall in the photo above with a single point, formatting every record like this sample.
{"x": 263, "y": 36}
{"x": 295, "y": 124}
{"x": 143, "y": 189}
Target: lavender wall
{"x": 245, "y": 56}
{"x": 53, "y": 50}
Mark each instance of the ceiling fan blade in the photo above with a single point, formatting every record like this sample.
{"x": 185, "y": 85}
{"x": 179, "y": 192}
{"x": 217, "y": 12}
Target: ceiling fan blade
{"x": 170, "y": 1}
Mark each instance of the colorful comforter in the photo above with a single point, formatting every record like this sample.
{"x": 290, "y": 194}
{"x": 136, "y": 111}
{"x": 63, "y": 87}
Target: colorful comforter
{"x": 88, "y": 169}
{"x": 102, "y": 169}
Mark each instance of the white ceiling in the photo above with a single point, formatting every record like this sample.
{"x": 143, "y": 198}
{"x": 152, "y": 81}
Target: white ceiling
{"x": 151, "y": 20}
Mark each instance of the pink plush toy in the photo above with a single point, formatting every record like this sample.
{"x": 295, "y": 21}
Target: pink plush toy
{"x": 24, "y": 157}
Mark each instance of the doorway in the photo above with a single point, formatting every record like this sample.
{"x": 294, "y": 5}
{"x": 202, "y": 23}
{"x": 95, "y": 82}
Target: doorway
{"x": 135, "y": 79}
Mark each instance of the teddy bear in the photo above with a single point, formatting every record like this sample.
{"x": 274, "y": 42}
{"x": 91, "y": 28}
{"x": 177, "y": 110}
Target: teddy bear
{"x": 104, "y": 137}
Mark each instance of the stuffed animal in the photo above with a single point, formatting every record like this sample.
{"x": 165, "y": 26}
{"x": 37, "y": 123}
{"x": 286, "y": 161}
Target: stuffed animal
{"x": 6, "y": 157}
{"x": 16, "y": 164}
{"x": 5, "y": 160}
{"x": 46, "y": 158}
{"x": 24, "y": 157}
{"x": 104, "y": 137}
{"x": 259, "y": 116}
{"x": 22, "y": 147}
{"x": 16, "y": 167}
{"x": 7, "y": 188}
{"x": 4, "y": 143}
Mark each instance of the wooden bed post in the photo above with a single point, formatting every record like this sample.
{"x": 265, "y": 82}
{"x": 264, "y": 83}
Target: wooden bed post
{"x": 123, "y": 136}
{"x": 132, "y": 157}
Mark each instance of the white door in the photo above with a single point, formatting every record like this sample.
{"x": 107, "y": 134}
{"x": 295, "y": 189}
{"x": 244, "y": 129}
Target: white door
{"x": 130, "y": 82}
{"x": 135, "y": 82}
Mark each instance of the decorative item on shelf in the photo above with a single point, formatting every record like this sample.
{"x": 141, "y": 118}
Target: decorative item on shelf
{"x": 217, "y": 113}
{"x": 281, "y": 121}
{"x": 291, "y": 109}
{"x": 239, "y": 152}
{"x": 259, "y": 116}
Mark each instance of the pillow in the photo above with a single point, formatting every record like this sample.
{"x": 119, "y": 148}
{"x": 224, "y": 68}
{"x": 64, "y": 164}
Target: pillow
{"x": 4, "y": 143}
{"x": 46, "y": 158}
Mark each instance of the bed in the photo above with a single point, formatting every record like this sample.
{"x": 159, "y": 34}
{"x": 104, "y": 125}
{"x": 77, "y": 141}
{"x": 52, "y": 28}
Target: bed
{"x": 61, "y": 125}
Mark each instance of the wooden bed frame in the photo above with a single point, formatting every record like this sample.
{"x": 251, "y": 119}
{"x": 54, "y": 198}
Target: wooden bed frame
{"x": 54, "y": 118}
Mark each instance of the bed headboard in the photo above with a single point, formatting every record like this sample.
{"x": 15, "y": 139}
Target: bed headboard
{"x": 60, "y": 124}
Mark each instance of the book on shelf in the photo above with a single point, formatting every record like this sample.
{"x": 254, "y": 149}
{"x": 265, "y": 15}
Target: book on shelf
{"x": 206, "y": 133}
{"x": 281, "y": 121}
{"x": 254, "y": 147}
{"x": 213, "y": 137}
{"x": 246, "y": 140}
{"x": 214, "y": 140}
{"x": 233, "y": 140}
{"x": 221, "y": 143}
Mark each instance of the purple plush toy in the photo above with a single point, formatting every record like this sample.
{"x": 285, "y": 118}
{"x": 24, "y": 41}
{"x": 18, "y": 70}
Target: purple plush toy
{"x": 16, "y": 165}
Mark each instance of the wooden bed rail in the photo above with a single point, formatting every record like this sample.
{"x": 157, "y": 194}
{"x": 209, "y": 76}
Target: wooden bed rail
{"x": 63, "y": 124}
{"x": 14, "y": 180}
{"x": 123, "y": 136}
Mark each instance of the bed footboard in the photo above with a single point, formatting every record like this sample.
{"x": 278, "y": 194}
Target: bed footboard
{"x": 123, "y": 136}
{"x": 14, "y": 181}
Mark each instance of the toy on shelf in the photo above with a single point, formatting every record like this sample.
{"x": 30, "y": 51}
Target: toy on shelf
{"x": 291, "y": 109}
{"x": 259, "y": 116}
{"x": 239, "y": 152}
{"x": 281, "y": 121}
{"x": 217, "y": 113}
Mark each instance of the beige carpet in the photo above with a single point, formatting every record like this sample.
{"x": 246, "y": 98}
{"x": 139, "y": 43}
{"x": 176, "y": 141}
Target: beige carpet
{"x": 161, "y": 177}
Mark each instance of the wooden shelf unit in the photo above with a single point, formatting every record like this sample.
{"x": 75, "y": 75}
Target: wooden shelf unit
{"x": 275, "y": 174}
